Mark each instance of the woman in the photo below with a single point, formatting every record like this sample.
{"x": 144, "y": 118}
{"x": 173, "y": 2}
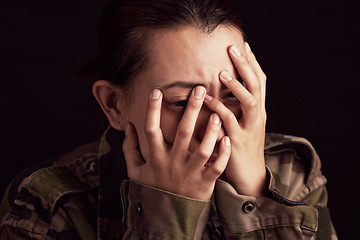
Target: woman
{"x": 195, "y": 163}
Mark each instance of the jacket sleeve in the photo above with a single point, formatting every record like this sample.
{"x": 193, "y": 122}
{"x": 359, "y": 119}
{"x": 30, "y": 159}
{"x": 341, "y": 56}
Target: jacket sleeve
{"x": 28, "y": 217}
{"x": 49, "y": 202}
{"x": 19, "y": 219}
{"x": 296, "y": 207}
{"x": 157, "y": 214}
{"x": 7, "y": 231}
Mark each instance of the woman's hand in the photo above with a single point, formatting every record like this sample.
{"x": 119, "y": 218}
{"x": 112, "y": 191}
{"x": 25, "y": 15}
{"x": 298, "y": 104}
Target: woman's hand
{"x": 172, "y": 167}
{"x": 246, "y": 168}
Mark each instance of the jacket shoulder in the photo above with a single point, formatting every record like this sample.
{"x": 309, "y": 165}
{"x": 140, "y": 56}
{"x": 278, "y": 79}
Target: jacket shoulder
{"x": 31, "y": 199}
{"x": 295, "y": 165}
{"x": 75, "y": 171}
{"x": 277, "y": 141}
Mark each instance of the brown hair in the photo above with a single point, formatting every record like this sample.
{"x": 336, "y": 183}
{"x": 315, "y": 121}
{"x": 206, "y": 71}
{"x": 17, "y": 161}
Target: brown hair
{"x": 125, "y": 29}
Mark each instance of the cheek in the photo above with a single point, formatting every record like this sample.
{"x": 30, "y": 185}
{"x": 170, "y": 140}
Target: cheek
{"x": 236, "y": 109}
{"x": 169, "y": 123}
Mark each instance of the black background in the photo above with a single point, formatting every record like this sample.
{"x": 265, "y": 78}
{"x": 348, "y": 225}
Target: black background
{"x": 308, "y": 50}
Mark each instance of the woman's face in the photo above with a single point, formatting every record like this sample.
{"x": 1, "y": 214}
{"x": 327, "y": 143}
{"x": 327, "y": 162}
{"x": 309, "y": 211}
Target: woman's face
{"x": 181, "y": 59}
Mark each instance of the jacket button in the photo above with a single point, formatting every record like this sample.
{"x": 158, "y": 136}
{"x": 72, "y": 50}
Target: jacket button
{"x": 248, "y": 206}
{"x": 92, "y": 168}
{"x": 139, "y": 209}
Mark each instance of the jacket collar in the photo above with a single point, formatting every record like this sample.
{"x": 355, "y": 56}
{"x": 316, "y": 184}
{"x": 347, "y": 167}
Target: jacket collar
{"x": 112, "y": 172}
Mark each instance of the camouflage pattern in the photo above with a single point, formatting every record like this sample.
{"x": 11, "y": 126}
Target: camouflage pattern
{"x": 86, "y": 194}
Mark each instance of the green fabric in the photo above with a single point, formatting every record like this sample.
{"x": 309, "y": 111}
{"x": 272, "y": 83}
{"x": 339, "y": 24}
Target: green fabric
{"x": 62, "y": 201}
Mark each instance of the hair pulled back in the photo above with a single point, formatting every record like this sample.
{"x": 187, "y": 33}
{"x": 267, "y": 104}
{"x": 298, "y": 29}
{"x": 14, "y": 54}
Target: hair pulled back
{"x": 126, "y": 26}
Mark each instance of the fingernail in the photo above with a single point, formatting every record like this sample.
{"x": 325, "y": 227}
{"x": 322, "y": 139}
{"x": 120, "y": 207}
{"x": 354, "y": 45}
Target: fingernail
{"x": 227, "y": 141}
{"x": 226, "y": 76}
{"x": 199, "y": 92}
{"x": 236, "y": 51}
{"x": 155, "y": 94}
{"x": 208, "y": 98}
{"x": 215, "y": 118}
{"x": 247, "y": 46}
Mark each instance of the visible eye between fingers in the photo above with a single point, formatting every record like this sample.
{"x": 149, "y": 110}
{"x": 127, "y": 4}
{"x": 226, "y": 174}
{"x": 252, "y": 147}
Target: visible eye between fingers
{"x": 229, "y": 99}
{"x": 176, "y": 103}
{"x": 179, "y": 104}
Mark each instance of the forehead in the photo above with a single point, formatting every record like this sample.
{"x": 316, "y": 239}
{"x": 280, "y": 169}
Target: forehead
{"x": 186, "y": 54}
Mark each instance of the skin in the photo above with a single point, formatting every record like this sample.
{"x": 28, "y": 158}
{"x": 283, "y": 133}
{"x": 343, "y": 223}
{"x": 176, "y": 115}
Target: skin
{"x": 190, "y": 120}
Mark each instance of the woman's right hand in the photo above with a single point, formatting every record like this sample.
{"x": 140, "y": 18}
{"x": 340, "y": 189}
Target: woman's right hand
{"x": 172, "y": 167}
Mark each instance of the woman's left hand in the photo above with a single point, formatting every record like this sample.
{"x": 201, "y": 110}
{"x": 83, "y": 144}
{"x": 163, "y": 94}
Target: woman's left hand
{"x": 246, "y": 170}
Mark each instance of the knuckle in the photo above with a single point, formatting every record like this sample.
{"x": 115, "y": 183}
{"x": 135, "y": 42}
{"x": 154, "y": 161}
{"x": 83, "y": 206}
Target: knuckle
{"x": 203, "y": 153}
{"x": 253, "y": 104}
{"x": 217, "y": 170}
{"x": 242, "y": 60}
{"x": 184, "y": 131}
{"x": 150, "y": 131}
{"x": 265, "y": 116}
{"x": 263, "y": 77}
{"x": 229, "y": 116}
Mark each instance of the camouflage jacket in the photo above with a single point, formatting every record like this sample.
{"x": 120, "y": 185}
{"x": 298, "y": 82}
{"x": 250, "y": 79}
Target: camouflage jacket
{"x": 86, "y": 194}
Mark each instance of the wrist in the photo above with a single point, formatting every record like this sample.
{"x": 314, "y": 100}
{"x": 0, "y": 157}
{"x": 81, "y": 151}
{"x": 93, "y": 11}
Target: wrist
{"x": 255, "y": 186}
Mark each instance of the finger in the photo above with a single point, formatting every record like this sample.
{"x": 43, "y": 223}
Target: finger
{"x": 254, "y": 63}
{"x": 131, "y": 151}
{"x": 206, "y": 148}
{"x": 187, "y": 124}
{"x": 228, "y": 118}
{"x": 258, "y": 72}
{"x": 246, "y": 73}
{"x": 152, "y": 123}
{"x": 249, "y": 105}
{"x": 218, "y": 166}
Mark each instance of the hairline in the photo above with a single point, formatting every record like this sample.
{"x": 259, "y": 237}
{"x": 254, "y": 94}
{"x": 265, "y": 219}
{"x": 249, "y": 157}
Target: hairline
{"x": 151, "y": 32}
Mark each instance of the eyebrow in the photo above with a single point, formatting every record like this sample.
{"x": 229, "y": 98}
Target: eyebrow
{"x": 183, "y": 85}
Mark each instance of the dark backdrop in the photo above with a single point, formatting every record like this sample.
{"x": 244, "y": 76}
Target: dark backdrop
{"x": 306, "y": 48}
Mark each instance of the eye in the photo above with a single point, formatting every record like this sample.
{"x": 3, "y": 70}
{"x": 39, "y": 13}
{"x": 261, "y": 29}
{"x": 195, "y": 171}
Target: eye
{"x": 176, "y": 105}
{"x": 180, "y": 104}
{"x": 230, "y": 95}
{"x": 230, "y": 99}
